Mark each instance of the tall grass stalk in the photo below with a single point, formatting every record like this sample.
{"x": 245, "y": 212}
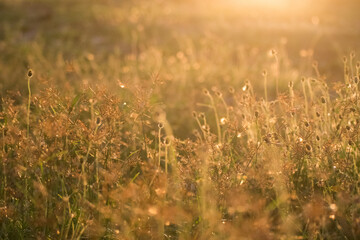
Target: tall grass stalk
{"x": 265, "y": 85}
{"x": 160, "y": 126}
{"x": 29, "y": 76}
{"x": 217, "y": 120}
{"x": 4, "y": 164}
{"x": 277, "y": 71}
{"x": 305, "y": 96}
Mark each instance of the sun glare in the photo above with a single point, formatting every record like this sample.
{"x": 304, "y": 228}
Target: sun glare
{"x": 272, "y": 4}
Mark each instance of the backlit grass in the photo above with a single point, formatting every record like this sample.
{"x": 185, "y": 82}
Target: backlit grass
{"x": 169, "y": 120}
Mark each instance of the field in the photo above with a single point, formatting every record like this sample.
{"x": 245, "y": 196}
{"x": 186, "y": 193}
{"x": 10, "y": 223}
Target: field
{"x": 179, "y": 119}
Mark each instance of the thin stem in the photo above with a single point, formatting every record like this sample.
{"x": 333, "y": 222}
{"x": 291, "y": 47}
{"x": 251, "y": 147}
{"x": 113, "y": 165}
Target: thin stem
{"x": 4, "y": 165}
{"x": 85, "y": 161}
{"x": 159, "y": 135}
{"x": 265, "y": 87}
{"x": 216, "y": 118}
{"x": 166, "y": 159}
{"x": 277, "y": 75}
{"x": 28, "y": 109}
{"x": 305, "y": 96}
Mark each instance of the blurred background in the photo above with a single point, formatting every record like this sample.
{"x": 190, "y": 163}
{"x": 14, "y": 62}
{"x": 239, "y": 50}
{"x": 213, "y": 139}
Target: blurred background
{"x": 181, "y": 45}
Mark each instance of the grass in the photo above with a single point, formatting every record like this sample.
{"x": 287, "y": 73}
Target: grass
{"x": 146, "y": 121}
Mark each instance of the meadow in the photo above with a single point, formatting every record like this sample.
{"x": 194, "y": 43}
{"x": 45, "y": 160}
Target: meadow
{"x": 179, "y": 119}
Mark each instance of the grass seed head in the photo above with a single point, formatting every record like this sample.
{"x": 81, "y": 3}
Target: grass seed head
{"x": 30, "y": 73}
{"x": 323, "y": 100}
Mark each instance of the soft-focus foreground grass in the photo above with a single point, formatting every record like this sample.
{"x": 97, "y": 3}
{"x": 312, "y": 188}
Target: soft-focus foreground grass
{"x": 178, "y": 120}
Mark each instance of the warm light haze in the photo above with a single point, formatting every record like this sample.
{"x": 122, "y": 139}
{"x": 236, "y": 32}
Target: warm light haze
{"x": 179, "y": 119}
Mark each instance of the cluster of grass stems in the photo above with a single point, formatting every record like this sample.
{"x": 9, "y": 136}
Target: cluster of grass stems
{"x": 99, "y": 165}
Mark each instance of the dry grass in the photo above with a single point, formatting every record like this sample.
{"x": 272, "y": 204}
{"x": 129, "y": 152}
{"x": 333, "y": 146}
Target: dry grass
{"x": 173, "y": 145}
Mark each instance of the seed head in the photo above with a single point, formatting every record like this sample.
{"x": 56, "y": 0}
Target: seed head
{"x": 206, "y": 92}
{"x": 323, "y": 100}
{"x": 231, "y": 90}
{"x": 160, "y": 125}
{"x": 194, "y": 114}
{"x": 308, "y": 147}
{"x": 167, "y": 141}
{"x": 30, "y": 73}
{"x": 98, "y": 121}
{"x": 223, "y": 121}
{"x": 356, "y": 80}
{"x": 272, "y": 53}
